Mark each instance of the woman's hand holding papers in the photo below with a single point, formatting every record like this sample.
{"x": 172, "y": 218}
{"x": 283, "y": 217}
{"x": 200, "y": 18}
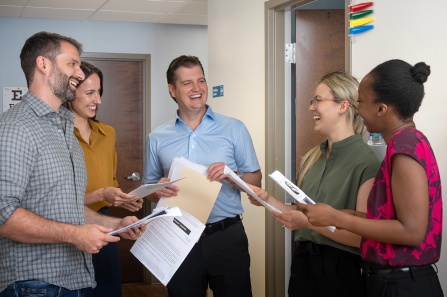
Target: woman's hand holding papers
{"x": 289, "y": 218}
{"x": 261, "y": 193}
{"x": 292, "y": 220}
{"x": 321, "y": 214}
{"x": 133, "y": 206}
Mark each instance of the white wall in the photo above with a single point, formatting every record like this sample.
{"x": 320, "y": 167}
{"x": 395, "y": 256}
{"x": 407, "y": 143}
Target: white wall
{"x": 236, "y": 60}
{"x": 162, "y": 42}
{"x": 414, "y": 31}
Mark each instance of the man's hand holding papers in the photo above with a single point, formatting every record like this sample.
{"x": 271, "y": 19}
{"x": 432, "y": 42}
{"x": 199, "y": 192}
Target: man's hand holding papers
{"x": 158, "y": 212}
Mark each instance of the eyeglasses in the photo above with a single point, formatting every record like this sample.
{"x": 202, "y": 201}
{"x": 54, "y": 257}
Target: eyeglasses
{"x": 315, "y": 100}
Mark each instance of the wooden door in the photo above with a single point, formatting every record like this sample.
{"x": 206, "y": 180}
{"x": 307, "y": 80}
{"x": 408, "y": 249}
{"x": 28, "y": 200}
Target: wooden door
{"x": 124, "y": 101}
{"x": 320, "y": 49}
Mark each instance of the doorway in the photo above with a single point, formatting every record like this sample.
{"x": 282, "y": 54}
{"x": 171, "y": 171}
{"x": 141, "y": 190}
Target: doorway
{"x": 126, "y": 107}
{"x": 279, "y": 156}
{"x": 320, "y": 49}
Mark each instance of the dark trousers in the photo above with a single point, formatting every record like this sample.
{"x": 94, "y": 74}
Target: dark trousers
{"x": 321, "y": 270}
{"x": 107, "y": 269}
{"x": 414, "y": 283}
{"x": 220, "y": 260}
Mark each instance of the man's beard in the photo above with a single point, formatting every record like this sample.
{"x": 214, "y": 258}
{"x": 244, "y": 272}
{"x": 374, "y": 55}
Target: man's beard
{"x": 60, "y": 85}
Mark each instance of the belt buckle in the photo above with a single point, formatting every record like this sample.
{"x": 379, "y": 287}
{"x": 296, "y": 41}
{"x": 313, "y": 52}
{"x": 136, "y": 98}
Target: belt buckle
{"x": 208, "y": 230}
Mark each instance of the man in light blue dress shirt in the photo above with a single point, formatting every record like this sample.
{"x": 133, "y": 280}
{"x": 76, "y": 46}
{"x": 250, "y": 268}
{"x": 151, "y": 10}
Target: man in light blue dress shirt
{"x": 220, "y": 259}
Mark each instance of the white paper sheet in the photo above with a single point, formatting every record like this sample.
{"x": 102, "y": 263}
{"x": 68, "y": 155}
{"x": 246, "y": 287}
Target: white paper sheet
{"x": 293, "y": 190}
{"x": 168, "y": 211}
{"x": 165, "y": 244}
{"x": 233, "y": 176}
{"x": 147, "y": 189}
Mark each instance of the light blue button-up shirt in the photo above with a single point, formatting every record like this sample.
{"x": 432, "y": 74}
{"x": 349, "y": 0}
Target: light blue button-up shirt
{"x": 218, "y": 138}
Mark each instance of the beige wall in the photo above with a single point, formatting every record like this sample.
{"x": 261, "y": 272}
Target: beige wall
{"x": 236, "y": 60}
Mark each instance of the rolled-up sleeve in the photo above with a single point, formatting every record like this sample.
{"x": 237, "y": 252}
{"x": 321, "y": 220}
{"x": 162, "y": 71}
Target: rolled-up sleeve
{"x": 16, "y": 155}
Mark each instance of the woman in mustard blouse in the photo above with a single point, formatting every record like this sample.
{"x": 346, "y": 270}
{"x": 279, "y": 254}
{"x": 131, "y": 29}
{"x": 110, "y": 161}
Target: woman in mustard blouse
{"x": 98, "y": 143}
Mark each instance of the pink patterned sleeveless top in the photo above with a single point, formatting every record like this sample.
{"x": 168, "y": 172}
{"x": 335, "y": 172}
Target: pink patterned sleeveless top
{"x": 413, "y": 143}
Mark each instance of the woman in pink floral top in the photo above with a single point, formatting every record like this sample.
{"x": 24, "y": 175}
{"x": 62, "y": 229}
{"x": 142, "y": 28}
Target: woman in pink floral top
{"x": 402, "y": 230}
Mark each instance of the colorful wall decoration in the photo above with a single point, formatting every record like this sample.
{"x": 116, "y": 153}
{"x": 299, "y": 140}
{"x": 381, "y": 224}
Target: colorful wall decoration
{"x": 359, "y": 19}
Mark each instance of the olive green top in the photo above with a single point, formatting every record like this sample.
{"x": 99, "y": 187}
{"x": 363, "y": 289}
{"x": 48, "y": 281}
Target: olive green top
{"x": 336, "y": 181}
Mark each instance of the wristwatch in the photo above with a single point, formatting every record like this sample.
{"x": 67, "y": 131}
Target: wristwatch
{"x": 239, "y": 174}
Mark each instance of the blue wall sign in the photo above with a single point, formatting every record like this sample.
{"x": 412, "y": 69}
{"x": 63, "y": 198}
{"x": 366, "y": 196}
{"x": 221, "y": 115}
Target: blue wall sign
{"x": 218, "y": 91}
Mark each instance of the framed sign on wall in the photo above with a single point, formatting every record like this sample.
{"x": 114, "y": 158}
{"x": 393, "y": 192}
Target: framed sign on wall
{"x": 12, "y": 95}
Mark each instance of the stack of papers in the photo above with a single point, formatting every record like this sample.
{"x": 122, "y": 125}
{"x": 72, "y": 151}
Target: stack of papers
{"x": 168, "y": 240}
{"x": 158, "y": 212}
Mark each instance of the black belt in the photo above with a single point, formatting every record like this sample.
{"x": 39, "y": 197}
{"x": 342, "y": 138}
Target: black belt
{"x": 315, "y": 249}
{"x": 104, "y": 210}
{"x": 371, "y": 268}
{"x": 220, "y": 225}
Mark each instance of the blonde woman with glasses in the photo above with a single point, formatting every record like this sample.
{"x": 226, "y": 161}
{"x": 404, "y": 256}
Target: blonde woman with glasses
{"x": 339, "y": 172}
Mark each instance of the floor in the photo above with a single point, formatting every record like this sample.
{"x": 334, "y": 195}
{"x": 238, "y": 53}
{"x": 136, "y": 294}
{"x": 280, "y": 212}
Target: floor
{"x": 142, "y": 290}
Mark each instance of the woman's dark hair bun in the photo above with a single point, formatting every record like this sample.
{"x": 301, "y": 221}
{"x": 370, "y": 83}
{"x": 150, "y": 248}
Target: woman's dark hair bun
{"x": 420, "y": 72}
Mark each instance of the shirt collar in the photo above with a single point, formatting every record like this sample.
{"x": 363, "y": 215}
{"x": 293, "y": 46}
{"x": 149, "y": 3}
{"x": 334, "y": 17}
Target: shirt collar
{"x": 96, "y": 127}
{"x": 41, "y": 108}
{"x": 208, "y": 114}
{"x": 340, "y": 145}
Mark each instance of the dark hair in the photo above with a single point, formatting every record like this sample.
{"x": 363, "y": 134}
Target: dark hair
{"x": 401, "y": 85}
{"x": 88, "y": 69}
{"x": 182, "y": 61}
{"x": 44, "y": 44}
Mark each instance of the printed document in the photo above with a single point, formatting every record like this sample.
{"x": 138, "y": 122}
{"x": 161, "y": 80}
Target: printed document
{"x": 233, "y": 176}
{"x": 165, "y": 244}
{"x": 293, "y": 190}
{"x": 170, "y": 211}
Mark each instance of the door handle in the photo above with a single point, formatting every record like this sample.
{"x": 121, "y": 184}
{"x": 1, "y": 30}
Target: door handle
{"x": 135, "y": 176}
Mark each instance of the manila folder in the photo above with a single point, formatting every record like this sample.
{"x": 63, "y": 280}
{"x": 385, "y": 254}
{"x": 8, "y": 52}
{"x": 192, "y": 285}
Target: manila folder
{"x": 196, "y": 196}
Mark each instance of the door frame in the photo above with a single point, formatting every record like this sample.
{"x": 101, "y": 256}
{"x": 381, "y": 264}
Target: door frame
{"x": 146, "y": 61}
{"x": 275, "y": 17}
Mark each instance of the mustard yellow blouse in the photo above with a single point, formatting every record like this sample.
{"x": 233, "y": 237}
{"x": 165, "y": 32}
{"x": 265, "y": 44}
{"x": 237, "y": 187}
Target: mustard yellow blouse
{"x": 100, "y": 159}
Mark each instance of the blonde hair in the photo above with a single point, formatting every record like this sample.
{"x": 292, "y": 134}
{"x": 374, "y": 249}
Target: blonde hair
{"x": 344, "y": 87}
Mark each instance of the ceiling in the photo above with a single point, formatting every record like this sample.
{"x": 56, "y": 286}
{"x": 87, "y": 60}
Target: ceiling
{"x": 192, "y": 12}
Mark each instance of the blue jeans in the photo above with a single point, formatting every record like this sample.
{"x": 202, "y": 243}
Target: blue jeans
{"x": 36, "y": 288}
